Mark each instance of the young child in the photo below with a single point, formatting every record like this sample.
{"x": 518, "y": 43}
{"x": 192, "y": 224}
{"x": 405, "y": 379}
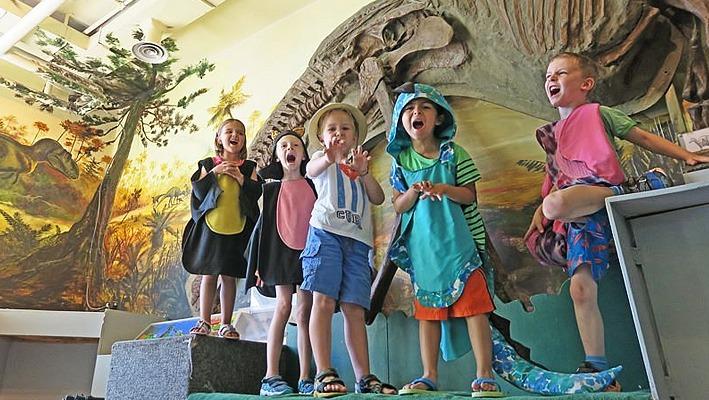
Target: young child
{"x": 335, "y": 259}
{"x": 225, "y": 191}
{"x": 441, "y": 236}
{"x": 570, "y": 228}
{"x": 274, "y": 255}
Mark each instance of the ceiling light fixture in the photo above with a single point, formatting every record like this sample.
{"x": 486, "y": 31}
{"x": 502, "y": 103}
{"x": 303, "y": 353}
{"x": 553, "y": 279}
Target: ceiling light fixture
{"x": 150, "y": 50}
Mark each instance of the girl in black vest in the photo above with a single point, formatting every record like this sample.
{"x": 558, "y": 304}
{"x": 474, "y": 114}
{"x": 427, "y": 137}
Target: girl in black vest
{"x": 225, "y": 191}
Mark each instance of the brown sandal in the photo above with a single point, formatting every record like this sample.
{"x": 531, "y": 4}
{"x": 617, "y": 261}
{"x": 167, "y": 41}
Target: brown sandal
{"x": 202, "y": 328}
{"x": 328, "y": 378}
{"x": 227, "y": 331}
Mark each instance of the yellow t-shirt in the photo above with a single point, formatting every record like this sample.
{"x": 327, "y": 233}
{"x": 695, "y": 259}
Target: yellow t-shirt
{"x": 226, "y": 218}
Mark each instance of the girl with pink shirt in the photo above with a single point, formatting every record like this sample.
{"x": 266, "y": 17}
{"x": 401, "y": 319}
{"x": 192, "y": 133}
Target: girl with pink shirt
{"x": 274, "y": 255}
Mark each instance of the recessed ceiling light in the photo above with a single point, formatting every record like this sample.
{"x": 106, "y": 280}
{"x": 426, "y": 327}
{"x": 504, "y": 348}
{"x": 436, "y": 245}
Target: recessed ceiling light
{"x": 150, "y": 52}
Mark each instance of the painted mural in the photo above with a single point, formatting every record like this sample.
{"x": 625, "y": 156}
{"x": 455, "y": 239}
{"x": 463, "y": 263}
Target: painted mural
{"x": 94, "y": 190}
{"x": 109, "y": 230}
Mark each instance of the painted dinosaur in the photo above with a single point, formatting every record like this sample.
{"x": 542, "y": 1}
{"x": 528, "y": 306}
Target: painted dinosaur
{"x": 496, "y": 51}
{"x": 17, "y": 159}
{"x": 702, "y": 141}
{"x": 173, "y": 195}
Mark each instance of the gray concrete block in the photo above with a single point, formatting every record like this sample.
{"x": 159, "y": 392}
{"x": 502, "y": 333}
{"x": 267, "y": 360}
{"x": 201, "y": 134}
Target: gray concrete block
{"x": 172, "y": 368}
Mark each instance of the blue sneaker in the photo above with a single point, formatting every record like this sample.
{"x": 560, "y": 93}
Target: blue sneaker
{"x": 653, "y": 179}
{"x": 306, "y": 386}
{"x": 275, "y": 386}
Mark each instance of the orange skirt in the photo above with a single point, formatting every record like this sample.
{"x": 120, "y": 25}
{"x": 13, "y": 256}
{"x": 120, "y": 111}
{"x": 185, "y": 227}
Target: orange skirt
{"x": 475, "y": 300}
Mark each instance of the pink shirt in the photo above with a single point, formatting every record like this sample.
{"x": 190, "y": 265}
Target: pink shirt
{"x": 295, "y": 204}
{"x": 583, "y": 146}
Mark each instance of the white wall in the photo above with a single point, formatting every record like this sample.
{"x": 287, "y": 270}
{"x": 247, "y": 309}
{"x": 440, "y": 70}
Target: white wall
{"x": 32, "y": 370}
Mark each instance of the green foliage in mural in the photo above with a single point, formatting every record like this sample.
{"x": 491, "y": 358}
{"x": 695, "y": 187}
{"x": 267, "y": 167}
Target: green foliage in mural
{"x": 228, "y": 101}
{"x": 20, "y": 238}
{"x": 532, "y": 165}
{"x": 118, "y": 98}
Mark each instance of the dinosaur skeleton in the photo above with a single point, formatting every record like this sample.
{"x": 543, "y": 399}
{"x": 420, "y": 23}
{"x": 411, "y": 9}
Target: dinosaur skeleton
{"x": 496, "y": 51}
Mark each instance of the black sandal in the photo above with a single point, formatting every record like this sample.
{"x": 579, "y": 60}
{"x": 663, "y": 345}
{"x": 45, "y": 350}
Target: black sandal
{"x": 325, "y": 378}
{"x": 371, "y": 384}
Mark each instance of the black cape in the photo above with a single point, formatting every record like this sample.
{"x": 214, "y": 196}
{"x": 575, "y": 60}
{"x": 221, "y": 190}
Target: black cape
{"x": 208, "y": 253}
{"x": 276, "y": 263}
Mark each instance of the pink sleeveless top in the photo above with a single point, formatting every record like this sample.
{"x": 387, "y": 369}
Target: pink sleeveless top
{"x": 583, "y": 146}
{"x": 295, "y": 204}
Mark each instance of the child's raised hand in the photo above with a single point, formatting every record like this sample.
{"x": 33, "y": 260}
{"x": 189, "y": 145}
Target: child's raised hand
{"x": 434, "y": 191}
{"x": 695, "y": 158}
{"x": 229, "y": 168}
{"x": 438, "y": 190}
{"x": 360, "y": 160}
{"x": 429, "y": 190}
{"x": 334, "y": 149}
{"x": 421, "y": 186}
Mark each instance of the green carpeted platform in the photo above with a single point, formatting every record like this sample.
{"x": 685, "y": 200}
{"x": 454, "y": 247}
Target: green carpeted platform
{"x": 439, "y": 395}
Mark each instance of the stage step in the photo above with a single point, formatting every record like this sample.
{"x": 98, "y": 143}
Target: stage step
{"x": 172, "y": 368}
{"x": 441, "y": 396}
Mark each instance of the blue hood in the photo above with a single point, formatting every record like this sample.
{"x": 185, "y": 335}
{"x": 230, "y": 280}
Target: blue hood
{"x": 398, "y": 139}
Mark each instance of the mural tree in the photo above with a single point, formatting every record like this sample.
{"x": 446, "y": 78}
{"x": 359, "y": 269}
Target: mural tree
{"x": 120, "y": 96}
{"x": 41, "y": 127}
{"x": 228, "y": 101}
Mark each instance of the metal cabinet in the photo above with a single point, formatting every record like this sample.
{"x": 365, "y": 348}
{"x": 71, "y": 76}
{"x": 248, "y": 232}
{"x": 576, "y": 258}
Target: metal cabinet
{"x": 662, "y": 239}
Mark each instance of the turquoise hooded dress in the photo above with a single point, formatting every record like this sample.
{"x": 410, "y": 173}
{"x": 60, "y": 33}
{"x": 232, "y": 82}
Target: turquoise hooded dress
{"x": 434, "y": 246}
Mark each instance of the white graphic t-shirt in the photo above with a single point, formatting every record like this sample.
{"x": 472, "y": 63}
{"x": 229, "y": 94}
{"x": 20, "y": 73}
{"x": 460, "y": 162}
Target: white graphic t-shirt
{"x": 342, "y": 206}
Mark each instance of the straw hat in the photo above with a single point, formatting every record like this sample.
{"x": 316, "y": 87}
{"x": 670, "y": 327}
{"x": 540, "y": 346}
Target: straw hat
{"x": 360, "y": 121}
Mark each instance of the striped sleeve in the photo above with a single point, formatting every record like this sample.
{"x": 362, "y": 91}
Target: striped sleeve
{"x": 465, "y": 170}
{"x": 466, "y": 173}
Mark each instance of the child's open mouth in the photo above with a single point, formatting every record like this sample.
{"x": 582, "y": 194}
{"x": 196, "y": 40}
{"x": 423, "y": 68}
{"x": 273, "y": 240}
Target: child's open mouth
{"x": 417, "y": 124}
{"x": 553, "y": 91}
{"x": 290, "y": 158}
{"x": 233, "y": 142}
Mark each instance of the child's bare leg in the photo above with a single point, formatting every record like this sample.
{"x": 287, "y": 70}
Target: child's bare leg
{"x": 305, "y": 303}
{"x": 481, "y": 340}
{"x": 429, "y": 343}
{"x": 574, "y": 202}
{"x": 207, "y": 290}
{"x": 321, "y": 329}
{"x": 321, "y": 335}
{"x": 584, "y": 293}
{"x": 227, "y": 296}
{"x": 356, "y": 338}
{"x": 274, "y": 343}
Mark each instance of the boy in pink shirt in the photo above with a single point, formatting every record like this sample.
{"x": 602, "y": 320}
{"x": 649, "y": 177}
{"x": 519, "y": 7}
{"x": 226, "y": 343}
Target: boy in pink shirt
{"x": 570, "y": 228}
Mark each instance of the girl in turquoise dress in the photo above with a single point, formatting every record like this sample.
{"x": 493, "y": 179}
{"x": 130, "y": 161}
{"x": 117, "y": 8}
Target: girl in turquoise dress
{"x": 441, "y": 243}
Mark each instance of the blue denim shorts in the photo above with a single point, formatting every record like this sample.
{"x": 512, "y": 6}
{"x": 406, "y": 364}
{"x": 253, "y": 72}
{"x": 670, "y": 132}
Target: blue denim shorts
{"x": 588, "y": 242}
{"x": 336, "y": 266}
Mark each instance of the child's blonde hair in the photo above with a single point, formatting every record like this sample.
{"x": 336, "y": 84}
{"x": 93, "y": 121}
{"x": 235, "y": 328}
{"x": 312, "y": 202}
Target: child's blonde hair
{"x": 588, "y": 66}
{"x": 327, "y": 113}
{"x": 219, "y": 149}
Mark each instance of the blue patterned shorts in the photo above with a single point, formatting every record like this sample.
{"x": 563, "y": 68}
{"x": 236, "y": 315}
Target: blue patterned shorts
{"x": 588, "y": 243}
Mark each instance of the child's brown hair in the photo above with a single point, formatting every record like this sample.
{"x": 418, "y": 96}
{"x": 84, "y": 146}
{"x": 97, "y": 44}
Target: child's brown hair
{"x": 219, "y": 149}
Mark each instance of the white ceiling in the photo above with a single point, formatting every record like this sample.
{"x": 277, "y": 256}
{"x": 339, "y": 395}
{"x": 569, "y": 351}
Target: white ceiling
{"x": 84, "y": 24}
